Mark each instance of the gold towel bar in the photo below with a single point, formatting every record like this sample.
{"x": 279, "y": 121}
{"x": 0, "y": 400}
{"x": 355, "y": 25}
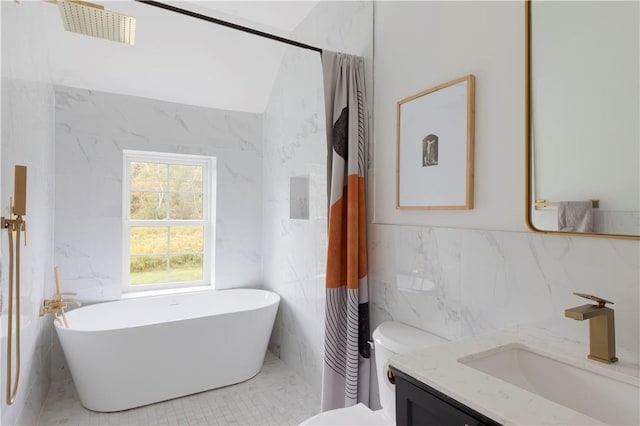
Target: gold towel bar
{"x": 539, "y": 204}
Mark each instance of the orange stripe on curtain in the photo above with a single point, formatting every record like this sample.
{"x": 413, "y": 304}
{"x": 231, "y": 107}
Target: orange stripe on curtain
{"x": 337, "y": 240}
{"x": 362, "y": 226}
{"x": 347, "y": 262}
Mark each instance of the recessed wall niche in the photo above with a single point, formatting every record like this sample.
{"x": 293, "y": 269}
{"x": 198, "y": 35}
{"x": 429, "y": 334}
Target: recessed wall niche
{"x": 307, "y": 198}
{"x": 299, "y": 197}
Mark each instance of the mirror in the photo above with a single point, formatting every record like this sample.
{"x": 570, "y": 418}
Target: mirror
{"x": 582, "y": 126}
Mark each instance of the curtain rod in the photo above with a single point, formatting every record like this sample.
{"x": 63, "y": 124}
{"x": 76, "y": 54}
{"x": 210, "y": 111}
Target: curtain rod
{"x": 230, "y": 25}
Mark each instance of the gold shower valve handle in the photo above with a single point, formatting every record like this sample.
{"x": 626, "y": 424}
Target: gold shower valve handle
{"x": 600, "y": 301}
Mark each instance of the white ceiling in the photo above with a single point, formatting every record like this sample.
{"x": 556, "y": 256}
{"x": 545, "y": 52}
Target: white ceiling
{"x": 178, "y": 58}
{"x": 281, "y": 16}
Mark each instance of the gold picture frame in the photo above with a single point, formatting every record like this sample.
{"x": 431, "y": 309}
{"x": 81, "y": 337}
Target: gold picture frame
{"x": 435, "y": 147}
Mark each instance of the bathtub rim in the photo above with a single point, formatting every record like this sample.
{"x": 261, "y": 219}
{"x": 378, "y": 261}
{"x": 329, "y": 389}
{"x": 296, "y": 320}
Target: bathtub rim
{"x": 57, "y": 325}
{"x": 142, "y": 294}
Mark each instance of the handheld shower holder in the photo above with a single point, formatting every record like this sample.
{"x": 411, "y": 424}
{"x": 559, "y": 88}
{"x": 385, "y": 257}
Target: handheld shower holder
{"x": 15, "y": 224}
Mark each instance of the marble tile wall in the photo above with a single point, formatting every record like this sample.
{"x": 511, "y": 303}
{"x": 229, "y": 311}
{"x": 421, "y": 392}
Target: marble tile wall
{"x": 460, "y": 283}
{"x": 27, "y": 139}
{"x": 92, "y": 129}
{"x": 294, "y": 250}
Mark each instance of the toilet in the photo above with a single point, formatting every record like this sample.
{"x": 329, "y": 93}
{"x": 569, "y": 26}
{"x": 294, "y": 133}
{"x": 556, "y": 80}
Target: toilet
{"x": 389, "y": 338}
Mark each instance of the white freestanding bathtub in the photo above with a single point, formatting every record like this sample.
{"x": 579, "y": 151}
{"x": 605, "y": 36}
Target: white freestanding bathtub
{"x": 134, "y": 352}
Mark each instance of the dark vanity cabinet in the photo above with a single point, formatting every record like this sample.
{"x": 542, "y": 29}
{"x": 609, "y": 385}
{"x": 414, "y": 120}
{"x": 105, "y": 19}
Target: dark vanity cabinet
{"x": 419, "y": 404}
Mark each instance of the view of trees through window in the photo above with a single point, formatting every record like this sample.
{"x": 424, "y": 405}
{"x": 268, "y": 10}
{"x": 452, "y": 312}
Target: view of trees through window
{"x": 166, "y": 223}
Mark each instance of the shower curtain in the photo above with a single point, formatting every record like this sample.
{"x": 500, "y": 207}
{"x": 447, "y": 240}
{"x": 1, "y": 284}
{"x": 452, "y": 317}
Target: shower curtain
{"x": 347, "y": 351}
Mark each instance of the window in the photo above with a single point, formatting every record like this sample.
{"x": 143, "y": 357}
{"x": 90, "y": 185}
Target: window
{"x": 168, "y": 231}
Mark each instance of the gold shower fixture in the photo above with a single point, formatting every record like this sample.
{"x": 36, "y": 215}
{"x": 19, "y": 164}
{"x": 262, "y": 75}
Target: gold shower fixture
{"x": 15, "y": 224}
{"x": 93, "y": 20}
{"x": 57, "y": 304}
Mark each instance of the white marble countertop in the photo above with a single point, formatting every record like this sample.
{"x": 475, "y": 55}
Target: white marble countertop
{"x": 501, "y": 401}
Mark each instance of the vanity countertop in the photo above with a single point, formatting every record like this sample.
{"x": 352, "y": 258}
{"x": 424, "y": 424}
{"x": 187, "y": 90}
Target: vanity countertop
{"x": 503, "y": 402}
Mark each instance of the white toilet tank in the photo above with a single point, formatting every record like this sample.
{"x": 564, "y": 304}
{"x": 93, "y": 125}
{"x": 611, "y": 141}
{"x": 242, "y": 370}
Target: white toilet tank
{"x": 392, "y": 338}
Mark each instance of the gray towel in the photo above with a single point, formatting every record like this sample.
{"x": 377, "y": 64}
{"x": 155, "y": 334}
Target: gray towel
{"x": 575, "y": 216}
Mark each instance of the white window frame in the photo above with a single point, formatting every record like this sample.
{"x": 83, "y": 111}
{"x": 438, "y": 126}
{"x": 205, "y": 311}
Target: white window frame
{"x": 208, "y": 220}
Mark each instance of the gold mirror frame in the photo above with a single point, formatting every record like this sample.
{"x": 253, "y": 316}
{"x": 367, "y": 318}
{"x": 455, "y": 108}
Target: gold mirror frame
{"x": 528, "y": 143}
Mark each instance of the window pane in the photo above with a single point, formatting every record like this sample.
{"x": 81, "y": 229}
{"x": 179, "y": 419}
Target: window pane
{"x": 148, "y": 176}
{"x": 148, "y": 240}
{"x": 186, "y": 267}
{"x": 148, "y": 269}
{"x": 167, "y": 192}
{"x": 185, "y": 178}
{"x": 186, "y": 239}
{"x": 186, "y": 206}
{"x": 148, "y": 205}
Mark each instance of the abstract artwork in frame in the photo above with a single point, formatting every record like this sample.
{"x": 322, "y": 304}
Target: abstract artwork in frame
{"x": 434, "y": 151}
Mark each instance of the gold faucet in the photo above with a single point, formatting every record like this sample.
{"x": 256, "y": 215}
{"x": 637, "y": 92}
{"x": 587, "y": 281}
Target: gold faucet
{"x": 602, "y": 333}
{"x": 58, "y": 303}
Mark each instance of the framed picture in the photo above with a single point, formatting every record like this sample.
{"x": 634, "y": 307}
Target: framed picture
{"x": 434, "y": 151}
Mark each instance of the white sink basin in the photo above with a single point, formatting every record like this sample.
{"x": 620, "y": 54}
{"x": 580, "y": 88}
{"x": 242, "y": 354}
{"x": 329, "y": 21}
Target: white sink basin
{"x": 595, "y": 395}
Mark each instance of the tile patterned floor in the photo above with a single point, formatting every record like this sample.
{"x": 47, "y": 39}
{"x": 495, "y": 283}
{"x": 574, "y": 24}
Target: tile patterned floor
{"x": 276, "y": 396}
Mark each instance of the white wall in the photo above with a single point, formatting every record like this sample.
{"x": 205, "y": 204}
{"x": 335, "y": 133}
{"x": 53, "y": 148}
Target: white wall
{"x": 27, "y": 139}
{"x": 295, "y": 145}
{"x": 464, "y": 282}
{"x": 419, "y": 45}
{"x": 92, "y": 129}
